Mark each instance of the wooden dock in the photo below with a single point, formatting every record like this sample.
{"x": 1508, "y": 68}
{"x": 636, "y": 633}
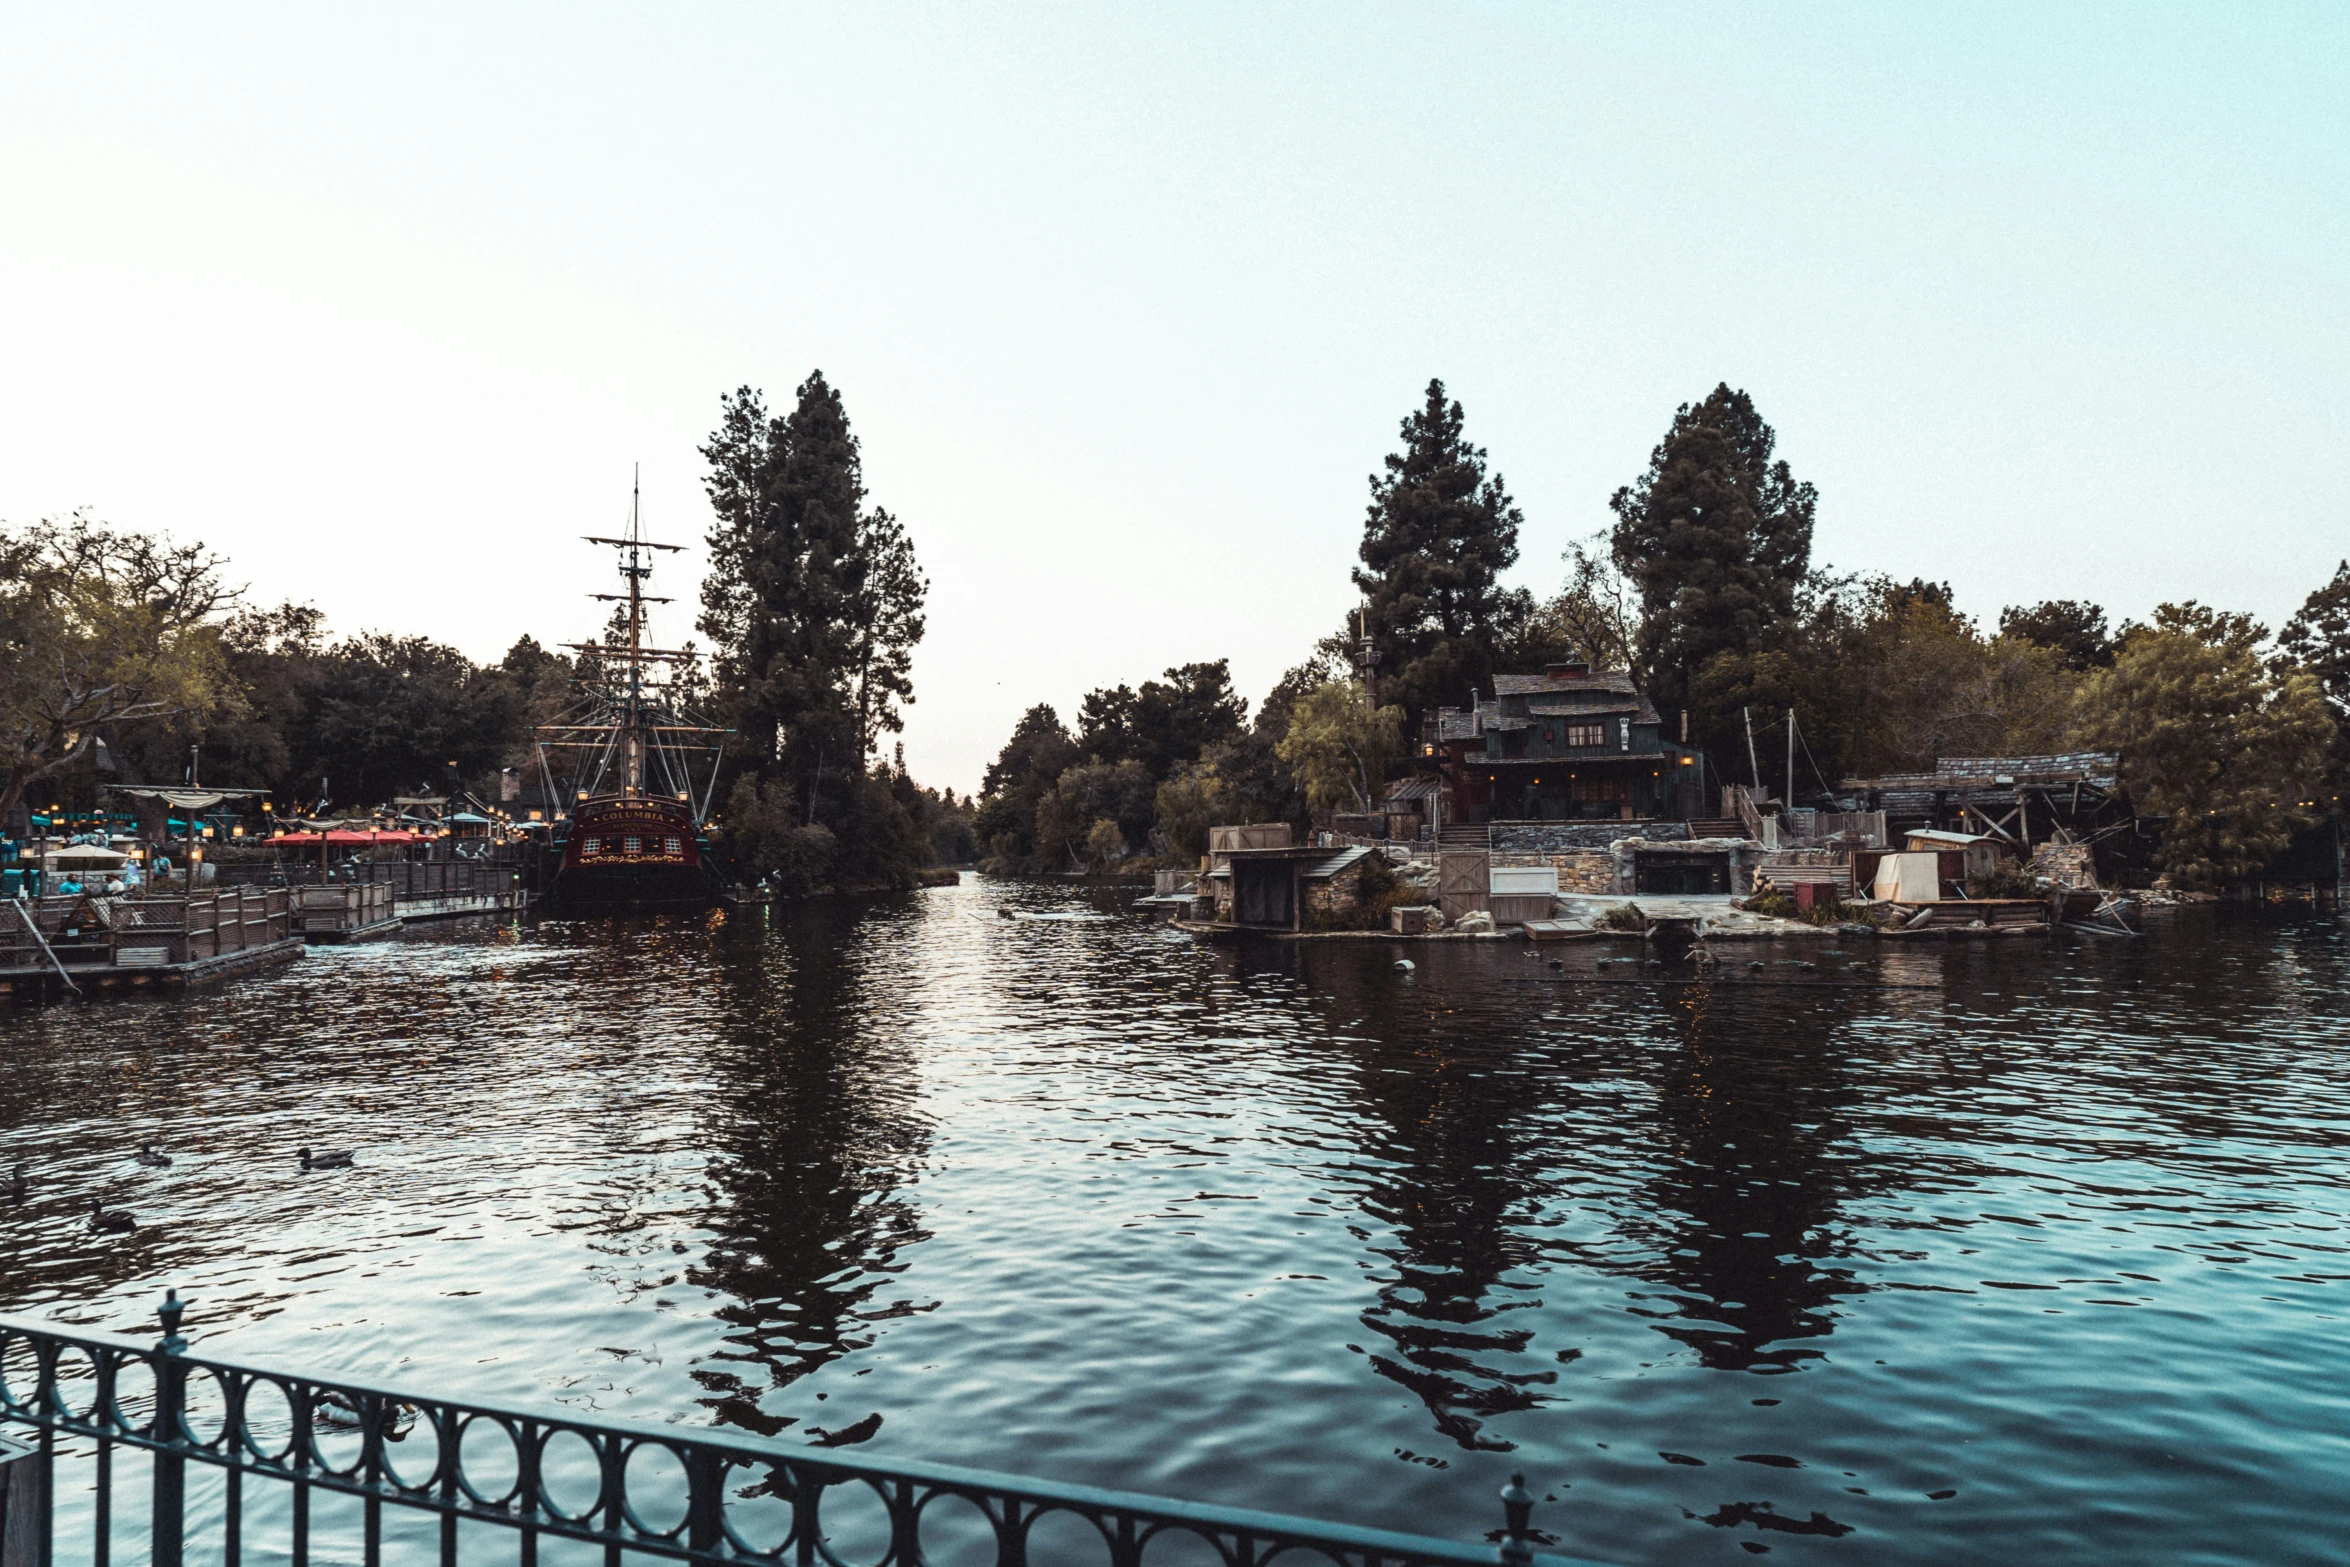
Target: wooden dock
{"x": 51, "y": 947}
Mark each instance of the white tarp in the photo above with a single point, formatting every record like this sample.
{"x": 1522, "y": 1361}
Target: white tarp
{"x": 1525, "y": 880}
{"x": 1909, "y": 878}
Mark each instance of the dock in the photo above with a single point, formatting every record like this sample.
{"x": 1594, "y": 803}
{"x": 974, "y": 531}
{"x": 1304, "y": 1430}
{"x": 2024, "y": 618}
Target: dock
{"x": 83, "y": 944}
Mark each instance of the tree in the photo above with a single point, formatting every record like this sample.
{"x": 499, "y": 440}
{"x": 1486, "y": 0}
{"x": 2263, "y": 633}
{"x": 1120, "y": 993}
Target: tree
{"x": 886, "y": 621}
{"x": 1592, "y": 618}
{"x": 1067, "y": 813}
{"x": 1340, "y": 747}
{"x": 1036, "y": 755}
{"x": 99, "y": 630}
{"x": 2074, "y": 631}
{"x": 813, "y": 605}
{"x": 1164, "y": 724}
{"x": 2223, "y": 747}
{"x": 2317, "y": 641}
{"x": 1439, "y": 532}
{"x": 1716, "y": 538}
{"x": 381, "y": 715}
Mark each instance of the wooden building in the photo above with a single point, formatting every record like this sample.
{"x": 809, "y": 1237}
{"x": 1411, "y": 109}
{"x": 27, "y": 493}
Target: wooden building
{"x": 1569, "y": 744}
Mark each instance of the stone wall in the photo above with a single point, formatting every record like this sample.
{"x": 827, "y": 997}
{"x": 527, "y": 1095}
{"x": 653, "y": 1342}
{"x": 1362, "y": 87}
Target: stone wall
{"x": 2066, "y": 864}
{"x": 1563, "y": 837}
{"x": 1590, "y": 871}
{"x": 1745, "y": 857}
{"x": 1334, "y": 896}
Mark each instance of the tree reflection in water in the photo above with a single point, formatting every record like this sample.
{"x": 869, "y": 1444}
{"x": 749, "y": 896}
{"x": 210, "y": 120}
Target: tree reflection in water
{"x": 1457, "y": 1171}
{"x": 815, "y": 1133}
{"x": 1752, "y": 1173}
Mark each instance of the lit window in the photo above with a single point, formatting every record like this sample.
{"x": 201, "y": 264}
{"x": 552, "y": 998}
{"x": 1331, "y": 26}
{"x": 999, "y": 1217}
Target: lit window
{"x": 1586, "y": 734}
{"x": 591, "y": 846}
{"x": 676, "y": 846}
{"x": 632, "y": 845}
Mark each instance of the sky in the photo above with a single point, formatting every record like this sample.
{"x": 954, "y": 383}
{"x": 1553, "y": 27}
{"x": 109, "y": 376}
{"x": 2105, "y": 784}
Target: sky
{"x": 386, "y": 305}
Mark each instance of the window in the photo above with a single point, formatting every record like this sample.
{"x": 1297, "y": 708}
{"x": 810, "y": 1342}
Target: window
{"x": 676, "y": 846}
{"x": 591, "y": 846}
{"x": 1583, "y": 735}
{"x": 632, "y": 845}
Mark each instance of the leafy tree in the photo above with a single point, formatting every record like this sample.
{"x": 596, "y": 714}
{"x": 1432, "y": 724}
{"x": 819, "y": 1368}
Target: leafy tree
{"x": 381, "y": 715}
{"x": 1105, "y": 845}
{"x": 1036, "y": 755}
{"x": 2317, "y": 640}
{"x": 1120, "y": 793}
{"x": 1592, "y": 618}
{"x": 2074, "y": 631}
{"x": 2223, "y": 747}
{"x": 1884, "y": 677}
{"x": 762, "y": 830}
{"x": 1164, "y": 724}
{"x": 1340, "y": 748}
{"x": 1438, "y": 535}
{"x": 99, "y": 630}
{"x": 1716, "y": 538}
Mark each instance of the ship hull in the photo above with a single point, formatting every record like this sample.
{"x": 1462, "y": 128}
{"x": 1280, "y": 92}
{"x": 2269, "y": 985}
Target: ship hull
{"x": 631, "y": 855}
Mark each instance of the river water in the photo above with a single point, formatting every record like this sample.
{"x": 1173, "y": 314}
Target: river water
{"x": 2002, "y": 1252}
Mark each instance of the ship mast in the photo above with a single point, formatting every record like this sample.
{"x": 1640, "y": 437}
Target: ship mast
{"x": 636, "y": 726}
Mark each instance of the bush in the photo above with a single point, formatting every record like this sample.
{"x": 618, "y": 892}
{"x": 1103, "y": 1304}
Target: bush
{"x": 1624, "y": 916}
{"x": 2005, "y": 881}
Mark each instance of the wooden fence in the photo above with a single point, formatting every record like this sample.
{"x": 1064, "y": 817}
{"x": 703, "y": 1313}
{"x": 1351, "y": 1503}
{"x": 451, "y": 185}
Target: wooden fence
{"x": 152, "y": 932}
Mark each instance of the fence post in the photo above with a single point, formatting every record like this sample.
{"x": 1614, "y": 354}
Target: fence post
{"x": 24, "y": 1522}
{"x": 171, "y": 1470}
{"x": 1517, "y": 1510}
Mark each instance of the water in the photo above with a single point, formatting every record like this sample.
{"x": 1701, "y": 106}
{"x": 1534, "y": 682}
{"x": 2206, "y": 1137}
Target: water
{"x": 1976, "y": 1252}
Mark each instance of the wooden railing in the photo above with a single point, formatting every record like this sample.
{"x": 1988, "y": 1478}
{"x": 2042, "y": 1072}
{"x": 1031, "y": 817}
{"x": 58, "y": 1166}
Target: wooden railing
{"x": 90, "y": 932}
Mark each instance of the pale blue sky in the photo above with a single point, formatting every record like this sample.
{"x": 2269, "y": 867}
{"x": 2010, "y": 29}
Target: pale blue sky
{"x": 1126, "y": 302}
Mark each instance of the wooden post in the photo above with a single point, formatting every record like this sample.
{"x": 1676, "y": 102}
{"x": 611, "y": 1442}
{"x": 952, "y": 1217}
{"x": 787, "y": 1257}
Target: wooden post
{"x": 1790, "y": 759}
{"x": 24, "y": 1510}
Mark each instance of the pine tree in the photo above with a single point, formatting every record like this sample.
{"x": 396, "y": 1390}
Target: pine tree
{"x": 1716, "y": 537}
{"x": 2317, "y": 639}
{"x": 1439, "y": 533}
{"x": 813, "y": 605}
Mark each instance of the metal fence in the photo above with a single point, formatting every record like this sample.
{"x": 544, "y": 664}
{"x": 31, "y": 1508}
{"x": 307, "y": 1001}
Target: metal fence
{"x": 250, "y": 1461}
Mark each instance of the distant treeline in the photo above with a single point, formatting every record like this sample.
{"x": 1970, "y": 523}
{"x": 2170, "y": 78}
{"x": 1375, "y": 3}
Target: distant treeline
{"x": 123, "y": 655}
{"x": 1705, "y": 589}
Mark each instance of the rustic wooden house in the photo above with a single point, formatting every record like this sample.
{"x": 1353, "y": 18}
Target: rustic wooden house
{"x": 1569, "y": 744}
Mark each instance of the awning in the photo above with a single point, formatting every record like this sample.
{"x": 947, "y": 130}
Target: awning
{"x": 181, "y": 799}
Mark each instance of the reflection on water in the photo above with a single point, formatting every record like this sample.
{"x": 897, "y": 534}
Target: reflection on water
{"x": 1999, "y": 1251}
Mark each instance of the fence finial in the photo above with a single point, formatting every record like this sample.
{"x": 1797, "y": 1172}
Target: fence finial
{"x": 170, "y": 1311}
{"x": 1517, "y": 1506}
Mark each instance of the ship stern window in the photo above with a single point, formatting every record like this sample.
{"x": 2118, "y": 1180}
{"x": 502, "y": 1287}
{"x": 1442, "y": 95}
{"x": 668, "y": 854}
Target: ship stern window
{"x": 632, "y": 845}
{"x": 676, "y": 846}
{"x": 591, "y": 846}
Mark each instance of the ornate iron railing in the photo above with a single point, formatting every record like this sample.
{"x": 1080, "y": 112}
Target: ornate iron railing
{"x": 408, "y": 1475}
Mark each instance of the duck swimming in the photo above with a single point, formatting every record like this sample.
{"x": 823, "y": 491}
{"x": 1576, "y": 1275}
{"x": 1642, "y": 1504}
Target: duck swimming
{"x": 110, "y": 1221}
{"x": 153, "y": 1160}
{"x": 327, "y": 1159}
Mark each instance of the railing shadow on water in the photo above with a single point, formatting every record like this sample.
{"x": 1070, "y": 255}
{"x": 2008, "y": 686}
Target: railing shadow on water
{"x": 253, "y": 1463}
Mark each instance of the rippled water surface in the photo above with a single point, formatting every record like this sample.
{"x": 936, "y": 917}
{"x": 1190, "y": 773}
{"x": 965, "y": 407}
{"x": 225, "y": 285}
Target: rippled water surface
{"x": 2003, "y": 1252}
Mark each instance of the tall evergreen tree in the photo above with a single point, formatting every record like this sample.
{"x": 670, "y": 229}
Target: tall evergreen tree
{"x": 813, "y": 605}
{"x": 1439, "y": 533}
{"x": 2317, "y": 639}
{"x": 1716, "y": 536}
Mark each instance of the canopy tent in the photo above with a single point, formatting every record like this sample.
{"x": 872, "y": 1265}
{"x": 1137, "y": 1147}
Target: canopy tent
{"x": 185, "y": 799}
{"x": 342, "y": 838}
{"x": 88, "y": 856}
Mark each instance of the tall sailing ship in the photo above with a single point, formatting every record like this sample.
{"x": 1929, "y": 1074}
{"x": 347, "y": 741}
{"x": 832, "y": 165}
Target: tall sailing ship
{"x": 636, "y": 765}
